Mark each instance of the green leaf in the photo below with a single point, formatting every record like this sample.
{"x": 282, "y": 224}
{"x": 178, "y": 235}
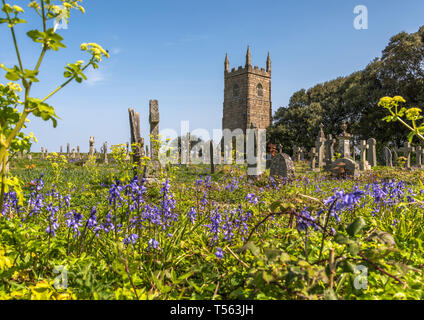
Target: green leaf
{"x": 341, "y": 239}
{"x": 356, "y": 226}
{"x": 348, "y": 267}
{"x": 353, "y": 248}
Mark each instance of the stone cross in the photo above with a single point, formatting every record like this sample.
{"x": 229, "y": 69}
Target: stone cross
{"x": 406, "y": 150}
{"x": 91, "y": 151}
{"x": 364, "y": 164}
{"x": 387, "y": 157}
{"x": 372, "y": 155}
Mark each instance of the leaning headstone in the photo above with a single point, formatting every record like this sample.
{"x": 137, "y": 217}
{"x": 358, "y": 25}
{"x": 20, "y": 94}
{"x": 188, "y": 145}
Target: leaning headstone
{"x": 387, "y": 157}
{"x": 364, "y": 164}
{"x": 282, "y": 166}
{"x": 372, "y": 154}
{"x": 345, "y": 167}
{"x": 407, "y": 150}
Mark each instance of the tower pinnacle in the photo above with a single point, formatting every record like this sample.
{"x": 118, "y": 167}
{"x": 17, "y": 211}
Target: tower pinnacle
{"x": 227, "y": 63}
{"x": 248, "y": 57}
{"x": 268, "y": 63}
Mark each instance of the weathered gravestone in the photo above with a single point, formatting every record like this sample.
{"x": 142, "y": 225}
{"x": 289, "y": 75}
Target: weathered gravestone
{"x": 387, "y": 157}
{"x": 344, "y": 142}
{"x": 282, "y": 166}
{"x": 137, "y": 142}
{"x": 372, "y": 154}
{"x": 320, "y": 146}
{"x": 104, "y": 150}
{"x": 407, "y": 150}
{"x": 42, "y": 153}
{"x": 91, "y": 145}
{"x": 313, "y": 155}
{"x": 345, "y": 167}
{"x": 419, "y": 156}
{"x": 152, "y": 169}
{"x": 329, "y": 151}
{"x": 364, "y": 164}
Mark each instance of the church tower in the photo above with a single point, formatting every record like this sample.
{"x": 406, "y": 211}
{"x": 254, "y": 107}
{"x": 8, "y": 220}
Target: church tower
{"x": 247, "y": 96}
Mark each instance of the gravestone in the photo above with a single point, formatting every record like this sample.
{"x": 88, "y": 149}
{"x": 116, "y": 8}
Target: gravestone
{"x": 344, "y": 142}
{"x": 320, "y": 146}
{"x": 73, "y": 155}
{"x": 419, "y": 156}
{"x": 29, "y": 156}
{"x": 137, "y": 142}
{"x": 47, "y": 153}
{"x": 407, "y": 150}
{"x": 345, "y": 167}
{"x": 329, "y": 151}
{"x": 395, "y": 152}
{"x": 78, "y": 153}
{"x": 91, "y": 144}
{"x": 295, "y": 152}
{"x": 68, "y": 150}
{"x": 61, "y": 149}
{"x": 104, "y": 150}
{"x": 42, "y": 153}
{"x": 387, "y": 157}
{"x": 364, "y": 164}
{"x": 282, "y": 166}
{"x": 372, "y": 154}
{"x": 313, "y": 155}
{"x": 152, "y": 169}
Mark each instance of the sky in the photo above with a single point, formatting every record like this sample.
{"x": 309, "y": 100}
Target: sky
{"x": 174, "y": 51}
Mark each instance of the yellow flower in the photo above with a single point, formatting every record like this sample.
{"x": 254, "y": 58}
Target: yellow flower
{"x": 17, "y": 9}
{"x": 413, "y": 114}
{"x": 399, "y": 99}
{"x": 385, "y": 102}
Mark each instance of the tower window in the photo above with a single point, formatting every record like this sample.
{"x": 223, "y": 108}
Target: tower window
{"x": 260, "y": 90}
{"x": 236, "y": 91}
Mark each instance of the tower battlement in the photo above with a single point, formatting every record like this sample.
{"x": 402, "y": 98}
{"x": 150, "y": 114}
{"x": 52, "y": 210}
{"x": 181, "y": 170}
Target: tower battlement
{"x": 247, "y": 96}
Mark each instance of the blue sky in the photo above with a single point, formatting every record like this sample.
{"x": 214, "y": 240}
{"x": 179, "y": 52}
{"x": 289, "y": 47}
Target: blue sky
{"x": 174, "y": 51}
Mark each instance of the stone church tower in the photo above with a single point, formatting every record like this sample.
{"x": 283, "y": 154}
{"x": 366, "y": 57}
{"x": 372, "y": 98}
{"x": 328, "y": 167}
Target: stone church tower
{"x": 247, "y": 96}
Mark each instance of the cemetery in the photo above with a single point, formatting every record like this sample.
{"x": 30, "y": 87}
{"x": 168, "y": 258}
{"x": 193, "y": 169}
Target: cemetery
{"x": 336, "y": 213}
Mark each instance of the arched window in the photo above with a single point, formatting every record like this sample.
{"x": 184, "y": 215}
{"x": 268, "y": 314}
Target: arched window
{"x": 260, "y": 90}
{"x": 236, "y": 91}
